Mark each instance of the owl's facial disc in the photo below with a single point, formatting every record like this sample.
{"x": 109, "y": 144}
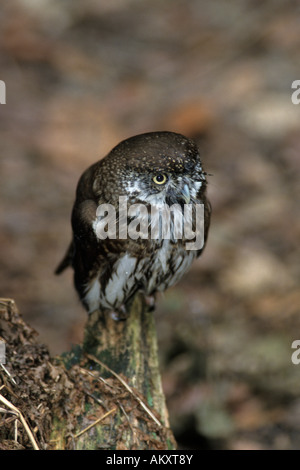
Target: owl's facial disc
{"x": 185, "y": 194}
{"x": 162, "y": 187}
{"x": 171, "y": 190}
{"x": 178, "y": 192}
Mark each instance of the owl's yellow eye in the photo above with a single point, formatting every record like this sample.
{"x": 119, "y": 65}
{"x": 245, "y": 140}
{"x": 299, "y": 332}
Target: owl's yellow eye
{"x": 160, "y": 178}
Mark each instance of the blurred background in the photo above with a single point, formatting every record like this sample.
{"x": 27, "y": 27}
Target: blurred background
{"x": 81, "y": 76}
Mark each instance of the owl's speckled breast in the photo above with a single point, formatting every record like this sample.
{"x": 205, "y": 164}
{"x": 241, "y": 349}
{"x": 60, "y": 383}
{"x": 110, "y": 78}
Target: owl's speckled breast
{"x": 157, "y": 272}
{"x": 151, "y": 169}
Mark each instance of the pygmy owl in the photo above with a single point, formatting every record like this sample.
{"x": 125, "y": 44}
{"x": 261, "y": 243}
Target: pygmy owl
{"x": 155, "y": 171}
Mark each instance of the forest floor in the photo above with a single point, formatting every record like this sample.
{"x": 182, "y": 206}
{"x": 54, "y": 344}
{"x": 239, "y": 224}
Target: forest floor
{"x": 82, "y": 76}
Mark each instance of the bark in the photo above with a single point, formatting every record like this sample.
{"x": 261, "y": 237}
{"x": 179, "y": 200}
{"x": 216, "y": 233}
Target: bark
{"x": 126, "y": 353}
{"x": 103, "y": 394}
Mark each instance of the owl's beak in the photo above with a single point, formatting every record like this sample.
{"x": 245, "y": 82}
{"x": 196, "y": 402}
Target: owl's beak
{"x": 185, "y": 194}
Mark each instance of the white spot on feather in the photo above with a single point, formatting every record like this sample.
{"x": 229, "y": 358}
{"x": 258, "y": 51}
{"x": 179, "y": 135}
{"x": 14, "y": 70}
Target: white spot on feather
{"x": 92, "y": 297}
{"x": 121, "y": 279}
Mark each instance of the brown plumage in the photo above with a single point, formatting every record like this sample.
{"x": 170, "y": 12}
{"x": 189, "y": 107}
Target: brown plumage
{"x": 153, "y": 169}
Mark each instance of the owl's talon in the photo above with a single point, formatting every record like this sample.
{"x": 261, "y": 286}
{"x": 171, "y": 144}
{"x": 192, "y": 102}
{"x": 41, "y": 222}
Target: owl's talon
{"x": 150, "y": 302}
{"x": 119, "y": 315}
{"x": 114, "y": 316}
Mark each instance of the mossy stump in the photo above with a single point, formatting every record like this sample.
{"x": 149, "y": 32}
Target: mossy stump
{"x": 103, "y": 394}
{"x": 121, "y": 356}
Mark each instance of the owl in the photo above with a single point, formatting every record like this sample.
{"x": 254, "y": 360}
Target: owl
{"x": 143, "y": 182}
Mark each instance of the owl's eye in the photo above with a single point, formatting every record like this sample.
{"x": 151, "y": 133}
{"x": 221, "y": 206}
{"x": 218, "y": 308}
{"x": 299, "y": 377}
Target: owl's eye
{"x": 160, "y": 178}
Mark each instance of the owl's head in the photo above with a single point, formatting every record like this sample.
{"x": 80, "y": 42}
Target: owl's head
{"x": 153, "y": 168}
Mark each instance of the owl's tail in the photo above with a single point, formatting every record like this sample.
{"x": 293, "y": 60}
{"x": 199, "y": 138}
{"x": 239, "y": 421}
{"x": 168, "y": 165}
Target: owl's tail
{"x": 67, "y": 260}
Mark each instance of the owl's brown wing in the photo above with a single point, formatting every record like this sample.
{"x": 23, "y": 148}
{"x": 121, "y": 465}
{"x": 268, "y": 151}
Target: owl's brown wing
{"x": 83, "y": 215}
{"x": 66, "y": 262}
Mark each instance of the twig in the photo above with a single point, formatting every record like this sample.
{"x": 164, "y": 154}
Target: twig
{"x": 95, "y": 359}
{"x": 4, "y": 301}
{"x": 129, "y": 423}
{"x": 9, "y": 374}
{"x": 16, "y": 430}
{"x": 101, "y": 379}
{"x": 95, "y": 422}
{"x": 22, "y": 419}
{"x": 4, "y": 410}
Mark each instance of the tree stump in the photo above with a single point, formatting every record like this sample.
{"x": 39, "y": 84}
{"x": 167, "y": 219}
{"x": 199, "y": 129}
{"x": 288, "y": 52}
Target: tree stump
{"x": 103, "y": 394}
